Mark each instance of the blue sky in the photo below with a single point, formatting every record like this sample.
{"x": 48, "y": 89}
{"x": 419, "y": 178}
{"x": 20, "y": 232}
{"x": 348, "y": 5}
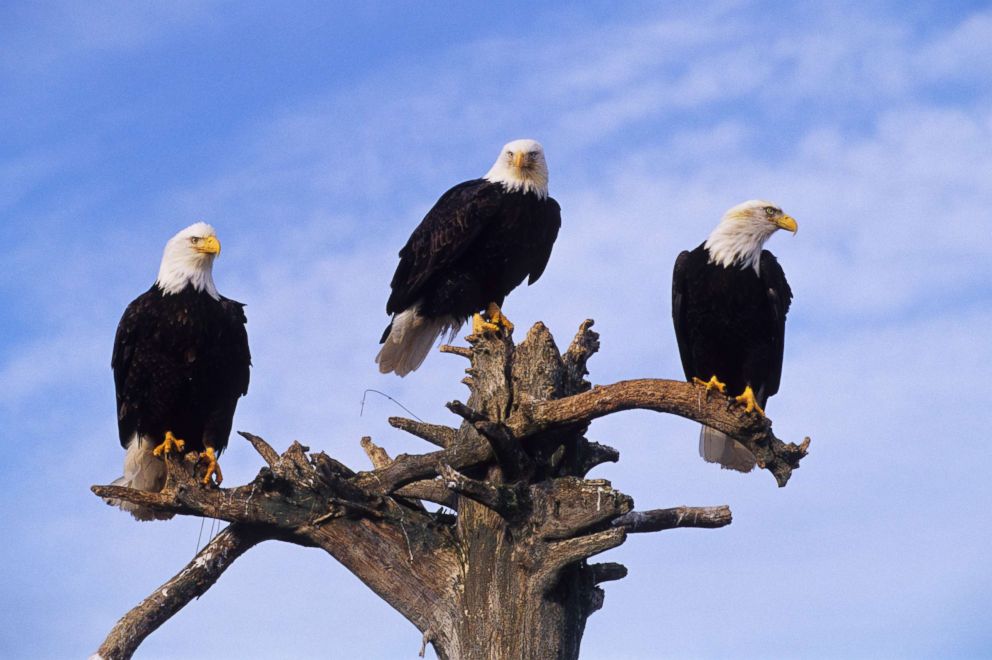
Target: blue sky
{"x": 315, "y": 137}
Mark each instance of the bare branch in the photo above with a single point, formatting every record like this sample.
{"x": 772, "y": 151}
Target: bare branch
{"x": 457, "y": 350}
{"x": 657, "y": 520}
{"x": 376, "y": 454}
{"x": 507, "y": 501}
{"x": 571, "y": 550}
{"x": 264, "y": 449}
{"x": 432, "y": 490}
{"x": 294, "y": 463}
{"x": 597, "y": 454}
{"x": 438, "y": 434}
{"x": 161, "y": 500}
{"x": 250, "y": 504}
{"x": 583, "y": 346}
{"x": 562, "y": 553}
{"x": 466, "y": 413}
{"x": 192, "y": 582}
{"x": 330, "y": 469}
{"x": 285, "y": 496}
{"x": 666, "y": 396}
{"x": 506, "y": 448}
{"x": 573, "y": 506}
{"x": 424, "y": 641}
{"x": 339, "y": 508}
{"x": 407, "y": 468}
{"x": 607, "y": 572}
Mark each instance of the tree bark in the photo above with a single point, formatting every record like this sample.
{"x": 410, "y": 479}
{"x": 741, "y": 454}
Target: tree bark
{"x": 505, "y": 574}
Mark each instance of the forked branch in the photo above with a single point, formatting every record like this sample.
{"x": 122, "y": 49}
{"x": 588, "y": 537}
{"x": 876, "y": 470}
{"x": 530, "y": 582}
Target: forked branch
{"x": 562, "y": 553}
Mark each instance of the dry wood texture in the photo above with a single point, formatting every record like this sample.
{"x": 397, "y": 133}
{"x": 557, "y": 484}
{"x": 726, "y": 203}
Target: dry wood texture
{"x": 506, "y": 575}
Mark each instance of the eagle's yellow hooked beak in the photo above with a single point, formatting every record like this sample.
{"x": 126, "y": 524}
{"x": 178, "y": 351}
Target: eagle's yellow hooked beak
{"x": 518, "y": 159}
{"x": 209, "y": 245}
{"x": 787, "y": 222}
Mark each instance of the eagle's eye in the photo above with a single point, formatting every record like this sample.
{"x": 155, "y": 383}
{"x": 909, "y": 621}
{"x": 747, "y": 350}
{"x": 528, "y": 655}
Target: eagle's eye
{"x": 769, "y": 211}
{"x": 509, "y": 154}
{"x": 194, "y": 240}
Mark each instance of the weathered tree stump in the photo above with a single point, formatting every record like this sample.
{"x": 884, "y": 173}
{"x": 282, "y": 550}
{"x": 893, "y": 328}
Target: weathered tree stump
{"x": 506, "y": 575}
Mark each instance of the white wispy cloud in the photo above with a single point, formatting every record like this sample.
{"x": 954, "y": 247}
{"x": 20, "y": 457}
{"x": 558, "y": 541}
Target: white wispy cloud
{"x": 963, "y": 53}
{"x": 41, "y": 38}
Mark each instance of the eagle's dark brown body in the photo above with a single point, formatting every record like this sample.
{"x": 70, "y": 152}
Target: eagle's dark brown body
{"x": 730, "y": 322}
{"x": 180, "y": 363}
{"x": 475, "y": 245}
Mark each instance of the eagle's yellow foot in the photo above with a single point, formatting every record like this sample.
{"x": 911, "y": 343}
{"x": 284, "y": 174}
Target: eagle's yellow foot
{"x": 213, "y": 467}
{"x": 170, "y": 444}
{"x": 480, "y": 326}
{"x": 497, "y": 318}
{"x": 750, "y": 404}
{"x": 711, "y": 384}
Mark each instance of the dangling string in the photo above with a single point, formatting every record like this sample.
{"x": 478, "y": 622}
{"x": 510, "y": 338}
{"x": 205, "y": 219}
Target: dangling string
{"x": 199, "y": 537}
{"x": 365, "y": 394}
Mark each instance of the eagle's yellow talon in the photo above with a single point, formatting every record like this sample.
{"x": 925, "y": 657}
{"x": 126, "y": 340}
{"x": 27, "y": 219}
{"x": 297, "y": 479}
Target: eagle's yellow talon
{"x": 494, "y": 324}
{"x": 711, "y": 384}
{"x": 170, "y": 444}
{"x": 750, "y": 403}
{"x": 480, "y": 326}
{"x": 213, "y": 467}
{"x": 497, "y": 318}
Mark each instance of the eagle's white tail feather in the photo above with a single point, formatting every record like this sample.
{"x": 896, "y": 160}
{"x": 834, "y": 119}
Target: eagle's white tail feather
{"x": 410, "y": 340}
{"x": 142, "y": 471}
{"x": 717, "y": 447}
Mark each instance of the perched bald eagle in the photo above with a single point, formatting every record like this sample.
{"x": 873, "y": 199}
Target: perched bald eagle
{"x": 729, "y": 301}
{"x": 478, "y": 243}
{"x": 180, "y": 363}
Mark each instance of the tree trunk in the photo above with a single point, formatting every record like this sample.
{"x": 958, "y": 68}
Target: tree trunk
{"x": 517, "y": 600}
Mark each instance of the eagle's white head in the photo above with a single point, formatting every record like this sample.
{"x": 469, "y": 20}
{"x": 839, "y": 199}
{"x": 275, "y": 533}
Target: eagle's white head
{"x": 521, "y": 167}
{"x": 189, "y": 259}
{"x": 742, "y": 233}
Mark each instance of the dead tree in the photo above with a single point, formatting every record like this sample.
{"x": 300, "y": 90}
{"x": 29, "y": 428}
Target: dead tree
{"x": 505, "y": 576}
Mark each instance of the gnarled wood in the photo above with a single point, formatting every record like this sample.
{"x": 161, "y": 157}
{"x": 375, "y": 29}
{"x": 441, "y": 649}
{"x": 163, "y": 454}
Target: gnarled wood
{"x": 503, "y": 577}
{"x": 709, "y": 517}
{"x": 442, "y": 436}
{"x": 666, "y": 396}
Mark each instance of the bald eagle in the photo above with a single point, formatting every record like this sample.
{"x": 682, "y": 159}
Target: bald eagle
{"x": 180, "y": 363}
{"x": 729, "y": 301}
{"x": 478, "y": 243}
